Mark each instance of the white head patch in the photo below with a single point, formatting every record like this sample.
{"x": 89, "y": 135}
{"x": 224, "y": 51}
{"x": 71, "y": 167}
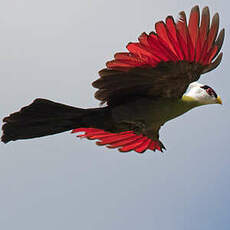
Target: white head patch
{"x": 202, "y": 93}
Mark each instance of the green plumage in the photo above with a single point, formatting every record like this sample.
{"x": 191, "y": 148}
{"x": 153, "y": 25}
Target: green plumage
{"x": 147, "y": 115}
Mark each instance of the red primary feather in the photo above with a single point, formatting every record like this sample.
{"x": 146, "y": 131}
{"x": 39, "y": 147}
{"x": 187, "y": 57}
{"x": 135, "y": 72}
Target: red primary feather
{"x": 183, "y": 35}
{"x": 125, "y": 141}
{"x": 172, "y": 35}
{"x": 193, "y": 24}
{"x": 173, "y": 42}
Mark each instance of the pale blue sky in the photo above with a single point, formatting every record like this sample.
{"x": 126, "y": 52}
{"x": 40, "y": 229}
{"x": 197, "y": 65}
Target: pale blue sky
{"x": 53, "y": 49}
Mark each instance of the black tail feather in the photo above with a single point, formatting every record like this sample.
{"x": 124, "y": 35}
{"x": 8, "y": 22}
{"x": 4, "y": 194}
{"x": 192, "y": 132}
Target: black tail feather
{"x": 41, "y": 118}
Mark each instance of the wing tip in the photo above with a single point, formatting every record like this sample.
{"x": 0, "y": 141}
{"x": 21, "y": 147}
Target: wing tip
{"x": 214, "y": 64}
{"x": 216, "y": 18}
{"x": 206, "y": 12}
{"x": 195, "y": 8}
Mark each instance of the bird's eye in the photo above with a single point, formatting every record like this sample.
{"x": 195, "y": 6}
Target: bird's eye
{"x": 209, "y": 90}
{"x": 205, "y": 87}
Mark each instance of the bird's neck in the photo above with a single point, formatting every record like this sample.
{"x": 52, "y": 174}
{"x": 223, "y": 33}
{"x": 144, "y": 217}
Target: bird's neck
{"x": 181, "y": 106}
{"x": 190, "y": 101}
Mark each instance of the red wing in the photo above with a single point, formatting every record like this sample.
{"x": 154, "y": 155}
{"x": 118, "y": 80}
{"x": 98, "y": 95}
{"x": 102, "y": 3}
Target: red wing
{"x": 165, "y": 62}
{"x": 125, "y": 141}
{"x": 174, "y": 42}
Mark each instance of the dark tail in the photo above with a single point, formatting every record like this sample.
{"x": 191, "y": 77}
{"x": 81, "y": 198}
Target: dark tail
{"x": 44, "y": 117}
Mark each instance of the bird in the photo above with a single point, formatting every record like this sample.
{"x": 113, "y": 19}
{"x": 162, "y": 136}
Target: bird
{"x": 153, "y": 82}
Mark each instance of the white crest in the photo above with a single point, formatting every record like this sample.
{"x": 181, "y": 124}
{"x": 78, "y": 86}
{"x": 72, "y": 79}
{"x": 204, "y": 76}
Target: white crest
{"x": 195, "y": 84}
{"x": 199, "y": 94}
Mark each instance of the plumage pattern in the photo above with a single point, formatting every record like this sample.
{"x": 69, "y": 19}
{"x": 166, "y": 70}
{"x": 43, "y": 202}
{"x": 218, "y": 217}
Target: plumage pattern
{"x": 125, "y": 141}
{"x": 165, "y": 62}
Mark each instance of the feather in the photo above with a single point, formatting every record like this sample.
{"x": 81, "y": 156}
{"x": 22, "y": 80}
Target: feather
{"x": 172, "y": 35}
{"x": 182, "y": 35}
{"x": 133, "y": 146}
{"x": 193, "y": 25}
{"x": 213, "y": 31}
{"x": 165, "y": 42}
{"x": 143, "y": 147}
{"x": 213, "y": 65}
{"x": 125, "y": 141}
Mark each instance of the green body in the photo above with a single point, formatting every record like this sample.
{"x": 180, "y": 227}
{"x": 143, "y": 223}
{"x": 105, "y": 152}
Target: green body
{"x": 146, "y": 115}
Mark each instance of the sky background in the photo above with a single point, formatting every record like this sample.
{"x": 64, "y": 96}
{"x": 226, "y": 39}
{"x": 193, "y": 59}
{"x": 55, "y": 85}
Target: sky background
{"x": 54, "y": 49}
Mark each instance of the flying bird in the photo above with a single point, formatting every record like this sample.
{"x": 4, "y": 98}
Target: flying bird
{"x": 142, "y": 88}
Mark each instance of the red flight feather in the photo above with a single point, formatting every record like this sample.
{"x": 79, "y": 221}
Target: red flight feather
{"x": 173, "y": 42}
{"x": 125, "y": 141}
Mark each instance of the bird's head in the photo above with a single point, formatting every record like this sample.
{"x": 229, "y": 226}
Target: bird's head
{"x": 203, "y": 94}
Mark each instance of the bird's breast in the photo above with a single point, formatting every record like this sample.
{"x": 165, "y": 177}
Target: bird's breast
{"x": 150, "y": 111}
